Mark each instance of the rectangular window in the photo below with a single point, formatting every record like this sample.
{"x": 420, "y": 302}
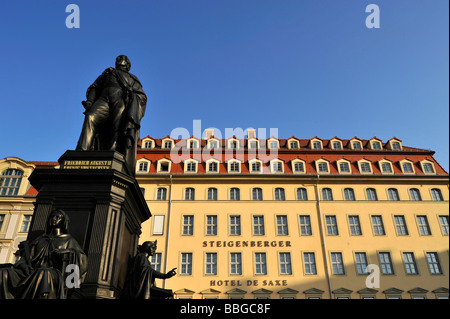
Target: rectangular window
{"x": 386, "y": 168}
{"x": 256, "y": 167}
{"x": 186, "y": 264}
{"x": 355, "y": 227}
{"x": 337, "y": 146}
{"x": 26, "y": 222}
{"x": 361, "y": 263}
{"x": 305, "y": 225}
{"x": 400, "y": 225}
{"x": 235, "y": 225}
{"x": 191, "y": 167}
{"x": 285, "y": 264}
{"x": 310, "y": 263}
{"x": 323, "y": 167}
{"x": 260, "y": 264}
{"x": 277, "y": 167}
{"x": 331, "y": 222}
{"x": 428, "y": 168}
{"x": 299, "y": 167}
{"x": 211, "y": 264}
{"x": 407, "y": 168}
{"x": 365, "y": 167}
{"x": 386, "y": 263}
{"x": 344, "y": 167}
{"x": 337, "y": 264}
{"x": 442, "y": 219}
{"x": 282, "y": 226}
{"x": 235, "y": 264}
{"x": 410, "y": 264}
{"x": 211, "y": 225}
{"x": 317, "y": 145}
{"x": 158, "y": 225}
{"x": 188, "y": 225}
{"x": 213, "y": 167}
{"x": 434, "y": 264}
{"x": 378, "y": 227}
{"x": 156, "y": 261}
{"x": 424, "y": 228}
{"x": 234, "y": 167}
{"x": 258, "y": 225}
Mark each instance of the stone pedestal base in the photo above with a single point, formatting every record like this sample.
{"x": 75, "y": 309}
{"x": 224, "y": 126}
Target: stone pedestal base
{"x": 106, "y": 209}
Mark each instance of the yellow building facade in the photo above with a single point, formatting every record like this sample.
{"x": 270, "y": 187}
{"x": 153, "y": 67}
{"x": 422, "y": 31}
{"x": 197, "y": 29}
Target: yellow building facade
{"x": 312, "y": 221}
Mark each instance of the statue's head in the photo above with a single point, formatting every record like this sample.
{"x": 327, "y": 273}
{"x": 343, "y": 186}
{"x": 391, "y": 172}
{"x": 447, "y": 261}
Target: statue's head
{"x": 123, "y": 63}
{"x": 148, "y": 247}
{"x": 58, "y": 219}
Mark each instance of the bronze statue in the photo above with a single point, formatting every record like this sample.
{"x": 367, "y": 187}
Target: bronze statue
{"x": 115, "y": 104}
{"x": 39, "y": 273}
{"x": 140, "y": 282}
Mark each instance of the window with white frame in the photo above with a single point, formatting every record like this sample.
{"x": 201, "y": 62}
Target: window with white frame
{"x": 436, "y": 194}
{"x": 143, "y": 166}
{"x": 258, "y": 225}
{"x": 277, "y": 167}
{"x": 161, "y": 193}
{"x": 371, "y": 194}
{"x": 235, "y": 264}
{"x": 235, "y": 194}
{"x": 387, "y": 267}
{"x": 211, "y": 264}
{"x": 356, "y": 145}
{"x": 213, "y": 167}
{"x": 337, "y": 145}
{"x": 279, "y": 193}
{"x": 322, "y": 167}
{"x": 257, "y": 194}
{"x": 282, "y": 225}
{"x": 189, "y": 194}
{"x": 305, "y": 225}
{"x": 396, "y": 146}
{"x": 299, "y": 167}
{"x": 309, "y": 262}
{"x": 260, "y": 264}
{"x": 327, "y": 194}
{"x": 212, "y": 193}
{"x": 234, "y": 167}
{"x": 377, "y": 225}
{"x": 393, "y": 194}
{"x": 186, "y": 264}
{"x": 386, "y": 167}
{"x": 424, "y": 227}
{"x": 443, "y": 220}
{"x": 273, "y": 144}
{"x": 158, "y": 225}
{"x": 355, "y": 226}
{"x": 235, "y": 225}
{"x": 164, "y": 166}
{"x": 188, "y": 225}
{"x": 409, "y": 261}
{"x": 428, "y": 168}
{"x": 285, "y": 264}
{"x": 337, "y": 264}
{"x": 316, "y": 145}
{"x": 293, "y": 145}
{"x": 400, "y": 225}
{"x": 26, "y": 222}
{"x": 167, "y": 144}
{"x": 433, "y": 263}
{"x": 376, "y": 145}
{"x": 344, "y": 167}
{"x": 407, "y": 167}
{"x": 211, "y": 225}
{"x": 349, "y": 194}
{"x": 302, "y": 194}
{"x": 365, "y": 167}
{"x": 331, "y": 224}
{"x": 361, "y": 263}
{"x": 415, "y": 194}
{"x": 255, "y": 167}
{"x": 147, "y": 144}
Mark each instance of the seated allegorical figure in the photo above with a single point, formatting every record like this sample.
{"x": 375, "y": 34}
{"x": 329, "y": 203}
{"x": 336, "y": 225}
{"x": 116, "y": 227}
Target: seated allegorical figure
{"x": 39, "y": 273}
{"x": 140, "y": 282}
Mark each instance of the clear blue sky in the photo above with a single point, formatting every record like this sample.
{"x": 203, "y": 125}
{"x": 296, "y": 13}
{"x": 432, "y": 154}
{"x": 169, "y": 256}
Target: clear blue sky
{"x": 307, "y": 67}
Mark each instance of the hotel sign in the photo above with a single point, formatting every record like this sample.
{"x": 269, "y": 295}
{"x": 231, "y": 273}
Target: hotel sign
{"x": 248, "y": 283}
{"x": 246, "y": 243}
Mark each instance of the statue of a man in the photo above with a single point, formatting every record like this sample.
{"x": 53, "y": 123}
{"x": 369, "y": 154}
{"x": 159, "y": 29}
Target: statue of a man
{"x": 38, "y": 274}
{"x": 141, "y": 276}
{"x": 115, "y": 104}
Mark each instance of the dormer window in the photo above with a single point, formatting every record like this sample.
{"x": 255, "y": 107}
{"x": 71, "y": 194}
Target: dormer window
{"x": 273, "y": 144}
{"x": 337, "y": 145}
{"x": 192, "y": 144}
{"x": 277, "y": 166}
{"x": 253, "y": 144}
{"x": 212, "y": 166}
{"x": 386, "y": 167}
{"x": 190, "y": 166}
{"x": 356, "y": 145}
{"x": 167, "y": 144}
{"x": 234, "y": 166}
{"x": 147, "y": 144}
{"x": 343, "y": 166}
{"x": 322, "y": 167}
{"x": 213, "y": 144}
{"x": 316, "y": 145}
{"x": 255, "y": 166}
{"x": 298, "y": 166}
{"x": 365, "y": 167}
{"x": 427, "y": 167}
{"x": 396, "y": 146}
{"x": 376, "y": 145}
{"x": 164, "y": 166}
{"x": 233, "y": 144}
{"x": 293, "y": 145}
{"x": 143, "y": 166}
{"x": 407, "y": 167}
